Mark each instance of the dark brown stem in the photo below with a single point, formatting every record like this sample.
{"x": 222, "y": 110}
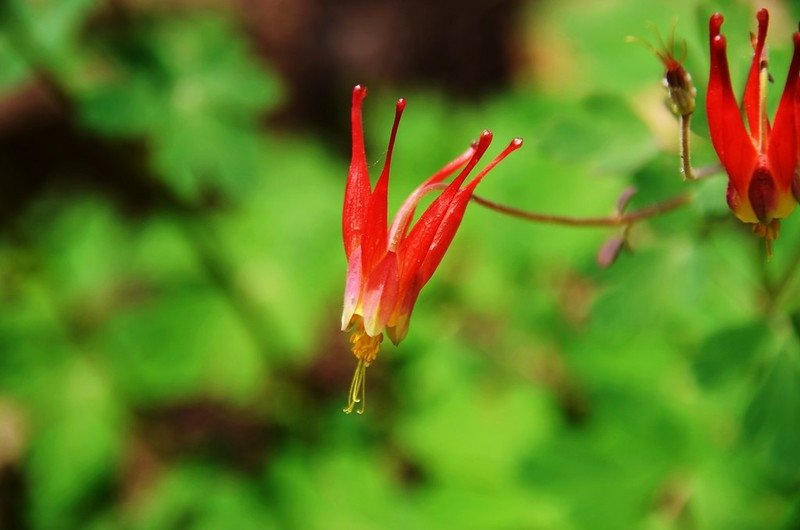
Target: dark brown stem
{"x": 613, "y": 220}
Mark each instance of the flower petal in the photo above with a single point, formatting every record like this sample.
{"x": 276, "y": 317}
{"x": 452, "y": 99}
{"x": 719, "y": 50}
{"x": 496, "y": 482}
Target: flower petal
{"x": 782, "y": 149}
{"x": 406, "y": 212}
{"x": 352, "y": 288}
{"x": 397, "y": 328}
{"x": 413, "y": 249}
{"x": 731, "y": 142}
{"x": 375, "y": 232}
{"x": 357, "y": 190}
{"x": 455, "y": 213}
{"x": 752, "y": 90}
{"x": 380, "y": 295}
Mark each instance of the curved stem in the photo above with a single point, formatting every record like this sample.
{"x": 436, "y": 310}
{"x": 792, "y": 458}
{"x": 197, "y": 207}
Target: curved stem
{"x": 613, "y": 220}
{"x": 688, "y": 172}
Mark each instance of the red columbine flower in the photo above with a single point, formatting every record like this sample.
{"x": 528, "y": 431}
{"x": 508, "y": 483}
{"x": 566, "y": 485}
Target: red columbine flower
{"x": 386, "y": 268}
{"x": 760, "y": 163}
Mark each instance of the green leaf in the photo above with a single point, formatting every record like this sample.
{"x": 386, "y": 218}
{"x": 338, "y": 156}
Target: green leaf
{"x": 198, "y": 497}
{"x": 443, "y": 393}
{"x": 13, "y": 69}
{"x": 339, "y": 489}
{"x": 189, "y": 88}
{"x": 603, "y": 133}
{"x": 181, "y": 344}
{"x": 77, "y": 446}
{"x": 772, "y": 420}
{"x": 710, "y": 199}
{"x": 729, "y": 352}
{"x": 46, "y": 32}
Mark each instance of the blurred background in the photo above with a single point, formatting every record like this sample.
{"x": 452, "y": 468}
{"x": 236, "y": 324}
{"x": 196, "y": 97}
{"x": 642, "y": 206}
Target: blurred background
{"x": 171, "y": 273}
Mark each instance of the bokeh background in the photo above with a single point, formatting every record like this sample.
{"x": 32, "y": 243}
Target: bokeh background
{"x": 171, "y": 271}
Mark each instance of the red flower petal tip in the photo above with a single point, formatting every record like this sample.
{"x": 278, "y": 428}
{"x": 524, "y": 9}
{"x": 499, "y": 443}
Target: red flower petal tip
{"x": 715, "y": 24}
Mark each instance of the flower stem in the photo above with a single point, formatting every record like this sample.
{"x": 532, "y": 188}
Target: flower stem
{"x": 688, "y": 172}
{"x": 613, "y": 220}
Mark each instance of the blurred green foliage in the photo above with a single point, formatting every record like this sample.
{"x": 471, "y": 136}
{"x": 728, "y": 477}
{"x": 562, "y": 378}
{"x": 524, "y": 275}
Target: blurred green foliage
{"x": 178, "y": 364}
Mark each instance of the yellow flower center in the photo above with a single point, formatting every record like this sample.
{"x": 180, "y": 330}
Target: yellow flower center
{"x": 365, "y": 348}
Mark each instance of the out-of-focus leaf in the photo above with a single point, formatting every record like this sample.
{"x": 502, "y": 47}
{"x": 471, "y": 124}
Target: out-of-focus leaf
{"x": 198, "y": 498}
{"x": 339, "y": 490}
{"x": 447, "y": 397}
{"x": 285, "y": 248}
{"x": 45, "y": 32}
{"x": 77, "y": 445}
{"x": 729, "y": 351}
{"x": 182, "y": 344}
{"x": 603, "y": 133}
{"x": 710, "y": 197}
{"x": 592, "y": 50}
{"x": 32, "y": 338}
{"x": 465, "y": 508}
{"x": 189, "y": 88}
{"x": 84, "y": 246}
{"x": 13, "y": 69}
{"x": 773, "y": 418}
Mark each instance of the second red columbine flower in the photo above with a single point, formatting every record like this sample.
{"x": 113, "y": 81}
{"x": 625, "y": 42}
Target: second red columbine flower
{"x": 760, "y": 161}
{"x": 387, "y": 266}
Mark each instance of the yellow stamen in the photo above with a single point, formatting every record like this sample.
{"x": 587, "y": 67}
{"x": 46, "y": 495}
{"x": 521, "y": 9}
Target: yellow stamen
{"x": 365, "y": 348}
{"x": 358, "y": 389}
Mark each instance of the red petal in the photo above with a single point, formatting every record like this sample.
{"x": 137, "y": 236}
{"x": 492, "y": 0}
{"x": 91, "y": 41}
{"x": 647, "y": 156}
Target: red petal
{"x": 455, "y": 213}
{"x": 352, "y": 287}
{"x": 406, "y": 212}
{"x": 380, "y": 295}
{"x": 752, "y": 90}
{"x": 782, "y": 150}
{"x": 373, "y": 241}
{"x": 733, "y": 146}
{"x": 423, "y": 250}
{"x": 398, "y": 329}
{"x": 415, "y": 247}
{"x": 357, "y": 190}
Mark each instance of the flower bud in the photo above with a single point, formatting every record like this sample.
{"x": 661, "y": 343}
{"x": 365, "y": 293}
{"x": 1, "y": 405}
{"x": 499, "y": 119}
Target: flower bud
{"x": 678, "y": 82}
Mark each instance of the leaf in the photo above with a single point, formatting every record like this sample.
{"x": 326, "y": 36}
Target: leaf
{"x": 603, "y": 132}
{"x": 729, "y": 352}
{"x": 181, "y": 344}
{"x": 772, "y": 421}
{"x": 710, "y": 198}
{"x": 188, "y": 87}
{"x": 202, "y": 498}
{"x": 495, "y": 450}
{"x": 339, "y": 489}
{"x": 46, "y": 31}
{"x": 78, "y": 446}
